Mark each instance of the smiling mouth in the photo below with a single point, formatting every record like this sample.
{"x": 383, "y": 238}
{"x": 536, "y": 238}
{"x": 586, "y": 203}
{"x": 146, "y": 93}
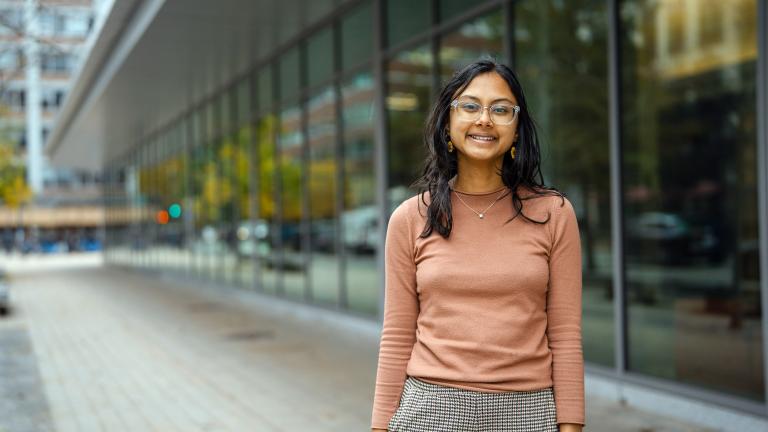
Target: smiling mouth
{"x": 483, "y": 138}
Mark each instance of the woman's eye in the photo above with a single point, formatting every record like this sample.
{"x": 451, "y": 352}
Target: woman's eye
{"x": 471, "y": 107}
{"x": 500, "y": 109}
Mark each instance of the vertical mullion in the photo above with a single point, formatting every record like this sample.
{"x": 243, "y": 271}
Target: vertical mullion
{"x": 762, "y": 170}
{"x": 614, "y": 95}
{"x": 380, "y": 139}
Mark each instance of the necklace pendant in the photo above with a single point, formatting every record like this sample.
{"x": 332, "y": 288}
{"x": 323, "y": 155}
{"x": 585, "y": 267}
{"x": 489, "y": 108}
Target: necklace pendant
{"x": 481, "y": 215}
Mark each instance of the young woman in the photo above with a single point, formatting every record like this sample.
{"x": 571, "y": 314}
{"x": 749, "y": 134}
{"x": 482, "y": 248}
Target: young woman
{"x": 482, "y": 313}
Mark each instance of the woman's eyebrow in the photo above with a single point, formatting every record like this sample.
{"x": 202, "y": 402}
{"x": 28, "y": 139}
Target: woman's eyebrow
{"x": 493, "y": 101}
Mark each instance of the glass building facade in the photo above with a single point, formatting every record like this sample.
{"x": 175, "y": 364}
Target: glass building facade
{"x": 652, "y": 117}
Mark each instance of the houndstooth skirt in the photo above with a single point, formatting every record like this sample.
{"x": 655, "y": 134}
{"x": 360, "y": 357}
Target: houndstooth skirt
{"x": 426, "y": 407}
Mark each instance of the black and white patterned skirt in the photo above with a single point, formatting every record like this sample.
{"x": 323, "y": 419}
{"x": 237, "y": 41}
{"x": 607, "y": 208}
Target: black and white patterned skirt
{"x": 426, "y": 407}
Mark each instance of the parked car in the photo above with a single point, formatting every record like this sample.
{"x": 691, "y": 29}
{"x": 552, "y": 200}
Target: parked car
{"x": 667, "y": 238}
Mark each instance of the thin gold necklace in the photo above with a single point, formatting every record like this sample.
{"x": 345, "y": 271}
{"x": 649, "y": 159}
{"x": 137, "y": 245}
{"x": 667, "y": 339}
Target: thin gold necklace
{"x": 481, "y": 215}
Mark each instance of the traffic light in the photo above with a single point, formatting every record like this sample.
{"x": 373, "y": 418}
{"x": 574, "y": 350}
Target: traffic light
{"x": 174, "y": 210}
{"x": 162, "y": 217}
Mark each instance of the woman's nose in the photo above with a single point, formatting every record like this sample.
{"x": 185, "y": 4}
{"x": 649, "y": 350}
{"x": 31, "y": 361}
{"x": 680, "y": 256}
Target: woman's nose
{"x": 485, "y": 117}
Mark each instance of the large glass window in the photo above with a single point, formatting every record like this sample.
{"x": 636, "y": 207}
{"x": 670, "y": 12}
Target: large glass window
{"x": 211, "y": 197}
{"x": 360, "y": 219}
{"x": 356, "y": 36}
{"x": 320, "y": 57}
{"x": 292, "y": 261}
{"x": 266, "y": 94}
{"x": 267, "y": 227}
{"x": 289, "y": 75}
{"x": 246, "y": 226}
{"x": 452, "y": 8}
{"x": 690, "y": 193}
{"x": 405, "y": 19}
{"x": 322, "y": 172}
{"x": 177, "y": 173}
{"x": 227, "y": 227}
{"x": 144, "y": 191}
{"x": 199, "y": 215}
{"x": 409, "y": 77}
{"x": 561, "y": 62}
{"x": 479, "y": 38}
{"x": 317, "y": 9}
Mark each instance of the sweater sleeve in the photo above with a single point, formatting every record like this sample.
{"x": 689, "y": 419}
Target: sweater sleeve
{"x": 401, "y": 308}
{"x": 564, "y": 314}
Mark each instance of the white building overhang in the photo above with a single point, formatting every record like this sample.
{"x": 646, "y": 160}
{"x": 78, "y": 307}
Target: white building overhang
{"x": 149, "y": 60}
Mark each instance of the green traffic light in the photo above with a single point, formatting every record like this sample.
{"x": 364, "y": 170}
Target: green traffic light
{"x": 174, "y": 210}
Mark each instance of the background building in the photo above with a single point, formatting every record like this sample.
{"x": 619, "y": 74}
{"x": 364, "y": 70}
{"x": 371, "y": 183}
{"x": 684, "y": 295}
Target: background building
{"x": 41, "y": 43}
{"x": 264, "y": 144}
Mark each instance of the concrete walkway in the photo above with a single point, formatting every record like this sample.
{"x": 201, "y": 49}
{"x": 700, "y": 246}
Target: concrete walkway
{"x": 117, "y": 350}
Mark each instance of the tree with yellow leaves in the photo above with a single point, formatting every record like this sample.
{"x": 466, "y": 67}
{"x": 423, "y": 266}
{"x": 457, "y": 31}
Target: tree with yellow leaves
{"x": 14, "y": 191}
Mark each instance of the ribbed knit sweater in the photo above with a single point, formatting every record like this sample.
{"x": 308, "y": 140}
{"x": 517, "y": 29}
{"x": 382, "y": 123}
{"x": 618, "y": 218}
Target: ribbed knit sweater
{"x": 494, "y": 307}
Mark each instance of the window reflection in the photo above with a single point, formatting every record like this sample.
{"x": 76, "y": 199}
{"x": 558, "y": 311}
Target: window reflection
{"x": 320, "y": 57}
{"x": 361, "y": 231}
{"x": 198, "y": 181}
{"x": 321, "y": 128}
{"x": 146, "y": 197}
{"x": 225, "y": 155}
{"x": 266, "y": 228}
{"x": 211, "y": 199}
{"x": 245, "y": 230}
{"x": 171, "y": 193}
{"x": 406, "y": 19}
{"x": 690, "y": 193}
{"x": 356, "y": 36}
{"x": 481, "y": 37}
{"x": 452, "y": 8}
{"x": 409, "y": 80}
{"x": 292, "y": 262}
{"x": 560, "y": 49}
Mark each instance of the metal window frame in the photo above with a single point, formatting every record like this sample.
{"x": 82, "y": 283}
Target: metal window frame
{"x": 762, "y": 178}
{"x": 616, "y": 198}
{"x": 380, "y": 138}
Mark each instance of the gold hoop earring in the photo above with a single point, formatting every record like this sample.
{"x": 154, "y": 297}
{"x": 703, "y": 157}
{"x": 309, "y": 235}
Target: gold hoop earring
{"x": 512, "y": 152}
{"x": 450, "y": 147}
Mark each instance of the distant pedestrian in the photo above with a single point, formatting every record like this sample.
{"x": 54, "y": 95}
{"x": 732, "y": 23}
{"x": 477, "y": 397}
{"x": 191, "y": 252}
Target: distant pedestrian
{"x": 482, "y": 312}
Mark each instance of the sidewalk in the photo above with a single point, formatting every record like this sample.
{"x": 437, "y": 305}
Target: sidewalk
{"x": 121, "y": 351}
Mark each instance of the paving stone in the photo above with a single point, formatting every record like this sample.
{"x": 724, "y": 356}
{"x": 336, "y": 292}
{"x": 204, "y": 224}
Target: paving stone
{"x": 23, "y": 406}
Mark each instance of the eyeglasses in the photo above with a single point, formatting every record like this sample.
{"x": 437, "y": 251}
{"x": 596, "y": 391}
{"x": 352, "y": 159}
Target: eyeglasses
{"x": 470, "y": 111}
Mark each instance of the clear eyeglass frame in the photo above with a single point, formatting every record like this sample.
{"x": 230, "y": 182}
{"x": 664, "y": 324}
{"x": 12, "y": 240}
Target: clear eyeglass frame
{"x": 515, "y": 108}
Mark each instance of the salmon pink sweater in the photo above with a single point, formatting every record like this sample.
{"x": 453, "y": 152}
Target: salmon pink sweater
{"x": 494, "y": 307}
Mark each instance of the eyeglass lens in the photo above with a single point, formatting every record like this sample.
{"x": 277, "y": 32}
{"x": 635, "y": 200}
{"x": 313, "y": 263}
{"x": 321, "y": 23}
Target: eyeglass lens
{"x": 502, "y": 114}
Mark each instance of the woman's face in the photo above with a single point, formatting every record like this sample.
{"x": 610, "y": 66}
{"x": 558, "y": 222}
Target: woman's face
{"x": 482, "y": 139}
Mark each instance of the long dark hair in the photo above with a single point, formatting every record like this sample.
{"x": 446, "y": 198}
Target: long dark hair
{"x": 441, "y": 166}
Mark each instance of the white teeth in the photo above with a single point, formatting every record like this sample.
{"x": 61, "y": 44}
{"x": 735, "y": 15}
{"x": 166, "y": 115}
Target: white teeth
{"x": 482, "y": 138}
